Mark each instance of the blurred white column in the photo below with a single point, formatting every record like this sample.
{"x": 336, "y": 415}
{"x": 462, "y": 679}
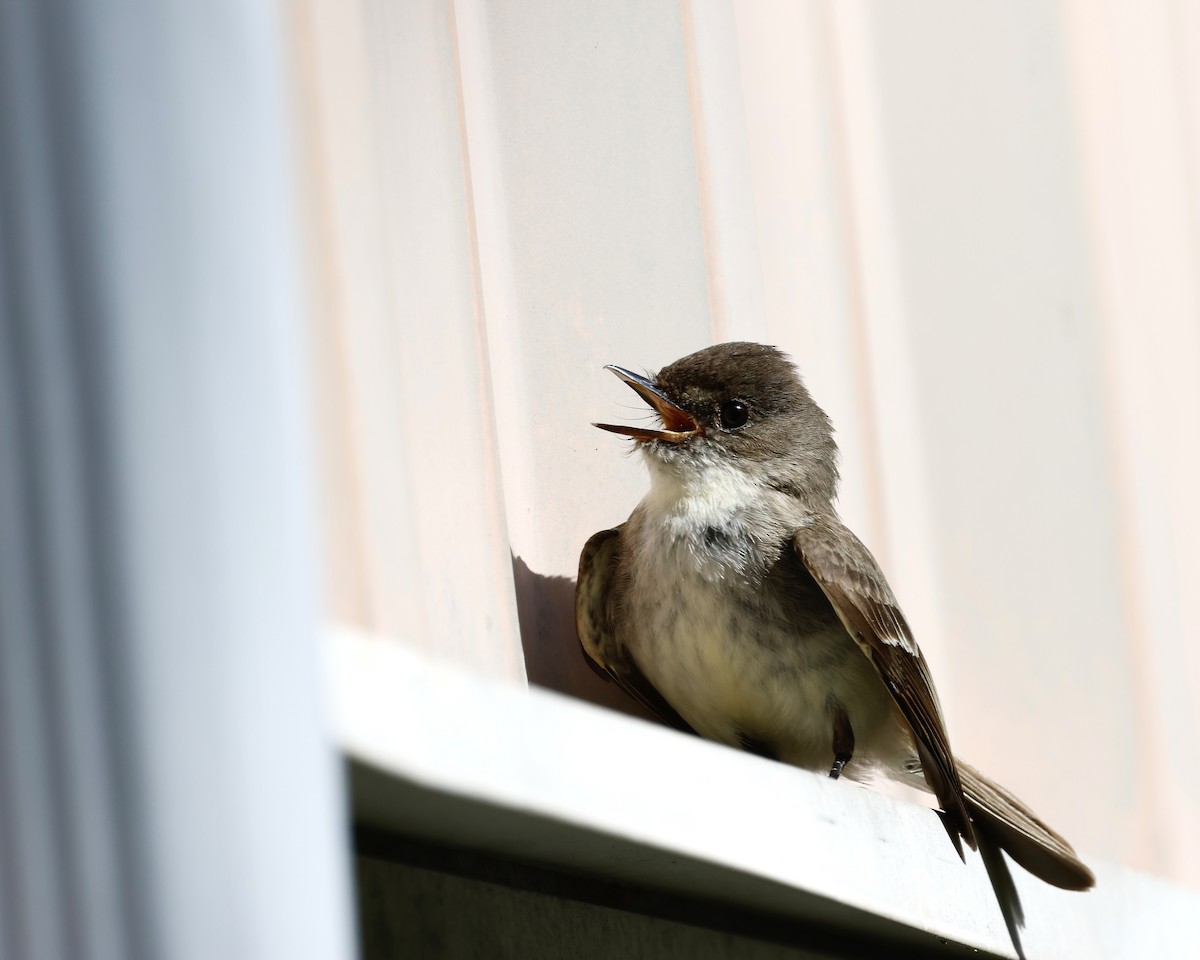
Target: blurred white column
{"x": 167, "y": 783}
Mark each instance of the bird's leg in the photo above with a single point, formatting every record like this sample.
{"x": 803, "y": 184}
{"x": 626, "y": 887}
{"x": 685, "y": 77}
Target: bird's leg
{"x": 843, "y": 740}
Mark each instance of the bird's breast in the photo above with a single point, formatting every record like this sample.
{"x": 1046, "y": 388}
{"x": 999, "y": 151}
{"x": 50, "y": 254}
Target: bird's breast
{"x": 738, "y": 638}
{"x": 711, "y": 634}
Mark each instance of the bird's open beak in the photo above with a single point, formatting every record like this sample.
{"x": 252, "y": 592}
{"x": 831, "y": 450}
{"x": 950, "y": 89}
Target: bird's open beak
{"x": 678, "y": 425}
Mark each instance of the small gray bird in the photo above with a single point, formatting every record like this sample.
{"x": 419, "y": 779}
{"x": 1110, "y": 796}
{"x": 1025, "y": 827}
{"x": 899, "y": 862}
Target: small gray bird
{"x": 736, "y": 603}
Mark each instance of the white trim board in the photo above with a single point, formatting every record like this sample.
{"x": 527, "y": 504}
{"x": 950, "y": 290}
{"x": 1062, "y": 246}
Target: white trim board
{"x": 549, "y": 779}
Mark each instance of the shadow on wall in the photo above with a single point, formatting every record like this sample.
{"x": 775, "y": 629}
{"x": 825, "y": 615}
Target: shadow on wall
{"x": 553, "y": 656}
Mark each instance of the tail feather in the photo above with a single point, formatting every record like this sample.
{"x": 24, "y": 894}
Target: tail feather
{"x": 1016, "y": 829}
{"x": 1004, "y": 888}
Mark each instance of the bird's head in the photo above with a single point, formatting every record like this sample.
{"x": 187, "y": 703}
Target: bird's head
{"x": 740, "y": 405}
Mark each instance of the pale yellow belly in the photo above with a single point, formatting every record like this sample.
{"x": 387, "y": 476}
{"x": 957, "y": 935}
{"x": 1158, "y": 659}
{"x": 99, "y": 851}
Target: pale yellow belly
{"x": 732, "y": 678}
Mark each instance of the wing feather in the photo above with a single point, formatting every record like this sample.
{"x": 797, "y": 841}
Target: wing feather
{"x": 598, "y": 636}
{"x": 851, "y": 579}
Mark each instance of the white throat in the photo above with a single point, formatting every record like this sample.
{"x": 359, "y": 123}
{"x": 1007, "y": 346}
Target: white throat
{"x": 715, "y": 492}
{"x": 710, "y": 519}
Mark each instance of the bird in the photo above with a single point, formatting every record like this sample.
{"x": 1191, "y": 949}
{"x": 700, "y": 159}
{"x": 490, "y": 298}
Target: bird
{"x": 734, "y": 603}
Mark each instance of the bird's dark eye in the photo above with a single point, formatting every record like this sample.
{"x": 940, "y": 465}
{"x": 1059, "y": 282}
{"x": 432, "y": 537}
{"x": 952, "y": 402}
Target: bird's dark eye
{"x": 734, "y": 414}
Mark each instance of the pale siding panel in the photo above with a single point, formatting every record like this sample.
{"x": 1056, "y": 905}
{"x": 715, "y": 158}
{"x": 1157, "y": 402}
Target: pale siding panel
{"x": 1005, "y": 342}
{"x": 590, "y": 252}
{"x": 719, "y": 124}
{"x": 803, "y": 238}
{"x": 407, "y": 352}
{"x": 1135, "y": 95}
{"x": 344, "y": 267}
{"x": 889, "y": 369}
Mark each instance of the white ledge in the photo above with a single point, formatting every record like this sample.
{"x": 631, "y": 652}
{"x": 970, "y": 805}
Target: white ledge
{"x": 536, "y": 775}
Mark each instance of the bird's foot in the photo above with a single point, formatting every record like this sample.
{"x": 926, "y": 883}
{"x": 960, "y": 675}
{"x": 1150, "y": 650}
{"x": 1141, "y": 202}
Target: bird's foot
{"x": 843, "y": 740}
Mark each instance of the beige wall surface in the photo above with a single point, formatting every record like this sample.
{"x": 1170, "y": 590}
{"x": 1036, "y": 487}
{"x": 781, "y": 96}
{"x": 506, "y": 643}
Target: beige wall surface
{"x": 975, "y": 226}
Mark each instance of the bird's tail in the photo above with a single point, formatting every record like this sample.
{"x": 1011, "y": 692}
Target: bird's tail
{"x": 1015, "y": 828}
{"x": 1005, "y": 890}
{"x": 1002, "y": 822}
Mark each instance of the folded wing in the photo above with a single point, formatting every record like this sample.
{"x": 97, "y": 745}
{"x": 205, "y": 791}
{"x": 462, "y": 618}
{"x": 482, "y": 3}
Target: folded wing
{"x": 851, "y": 579}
